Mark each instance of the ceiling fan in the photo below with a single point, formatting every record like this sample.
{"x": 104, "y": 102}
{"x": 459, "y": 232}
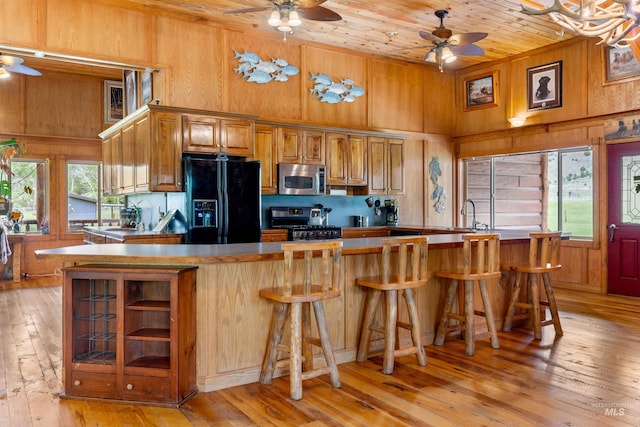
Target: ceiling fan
{"x": 447, "y": 47}
{"x": 13, "y": 64}
{"x": 286, "y": 14}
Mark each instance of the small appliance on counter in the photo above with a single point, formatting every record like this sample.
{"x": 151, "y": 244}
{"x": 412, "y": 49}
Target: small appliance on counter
{"x": 129, "y": 218}
{"x": 391, "y": 209}
{"x": 301, "y": 225}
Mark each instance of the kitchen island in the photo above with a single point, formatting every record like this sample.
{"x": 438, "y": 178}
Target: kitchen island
{"x": 232, "y": 320}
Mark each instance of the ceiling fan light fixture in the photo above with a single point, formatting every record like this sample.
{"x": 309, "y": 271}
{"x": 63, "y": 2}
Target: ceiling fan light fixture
{"x": 431, "y": 56}
{"x": 294, "y": 18}
{"x": 274, "y": 19}
{"x": 4, "y": 74}
{"x": 447, "y": 55}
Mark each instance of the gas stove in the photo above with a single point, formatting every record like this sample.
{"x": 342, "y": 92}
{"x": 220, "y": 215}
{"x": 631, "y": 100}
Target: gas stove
{"x": 296, "y": 221}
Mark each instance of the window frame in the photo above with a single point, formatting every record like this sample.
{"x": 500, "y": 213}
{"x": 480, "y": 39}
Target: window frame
{"x": 47, "y": 190}
{"x": 594, "y": 239}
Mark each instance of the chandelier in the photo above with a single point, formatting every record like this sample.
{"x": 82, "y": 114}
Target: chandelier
{"x": 611, "y": 20}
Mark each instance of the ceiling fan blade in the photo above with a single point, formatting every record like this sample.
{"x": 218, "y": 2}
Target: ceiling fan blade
{"x": 252, "y": 9}
{"x": 428, "y": 36}
{"x": 466, "y": 50}
{"x": 308, "y": 4}
{"x": 10, "y": 60}
{"x": 22, "y": 69}
{"x": 466, "y": 38}
{"x": 319, "y": 13}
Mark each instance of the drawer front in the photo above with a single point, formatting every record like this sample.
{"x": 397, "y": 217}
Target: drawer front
{"x": 147, "y": 388}
{"x": 92, "y": 385}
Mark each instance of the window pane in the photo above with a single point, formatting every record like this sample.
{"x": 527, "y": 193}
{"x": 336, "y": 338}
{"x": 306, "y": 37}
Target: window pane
{"x": 519, "y": 190}
{"x": 29, "y": 194}
{"x": 577, "y": 193}
{"x": 479, "y": 191}
{"x": 83, "y": 198}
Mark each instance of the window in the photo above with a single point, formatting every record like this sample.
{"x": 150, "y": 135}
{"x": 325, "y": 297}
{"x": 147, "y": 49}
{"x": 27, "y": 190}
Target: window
{"x": 533, "y": 191}
{"x": 84, "y": 197}
{"x": 29, "y": 194}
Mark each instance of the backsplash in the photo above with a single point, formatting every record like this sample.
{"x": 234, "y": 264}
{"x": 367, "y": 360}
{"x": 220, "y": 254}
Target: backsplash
{"x": 343, "y": 208}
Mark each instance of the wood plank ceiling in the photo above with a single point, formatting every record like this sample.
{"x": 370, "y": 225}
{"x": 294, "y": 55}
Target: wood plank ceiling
{"x": 389, "y": 28}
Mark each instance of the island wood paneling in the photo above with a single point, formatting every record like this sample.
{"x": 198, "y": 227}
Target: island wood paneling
{"x": 232, "y": 319}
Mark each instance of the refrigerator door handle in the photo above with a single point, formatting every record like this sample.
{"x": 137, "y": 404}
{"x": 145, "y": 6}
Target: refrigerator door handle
{"x": 225, "y": 201}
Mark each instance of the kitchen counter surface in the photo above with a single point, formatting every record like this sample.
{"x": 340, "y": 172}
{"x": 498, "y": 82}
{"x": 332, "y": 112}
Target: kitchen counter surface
{"x": 238, "y": 252}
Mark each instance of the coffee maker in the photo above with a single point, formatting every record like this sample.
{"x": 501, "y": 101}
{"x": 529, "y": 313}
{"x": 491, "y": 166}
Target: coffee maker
{"x": 391, "y": 212}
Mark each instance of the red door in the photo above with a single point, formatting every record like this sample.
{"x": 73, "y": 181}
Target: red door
{"x": 624, "y": 218}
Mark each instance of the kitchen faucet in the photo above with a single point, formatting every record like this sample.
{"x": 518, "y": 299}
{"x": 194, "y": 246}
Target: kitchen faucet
{"x": 463, "y": 211}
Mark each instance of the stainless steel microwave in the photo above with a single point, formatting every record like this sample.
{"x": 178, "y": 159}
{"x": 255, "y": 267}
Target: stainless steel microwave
{"x": 297, "y": 179}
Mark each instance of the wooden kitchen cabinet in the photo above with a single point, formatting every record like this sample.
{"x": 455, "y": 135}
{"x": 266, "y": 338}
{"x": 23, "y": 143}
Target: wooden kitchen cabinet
{"x": 346, "y": 159}
{"x": 302, "y": 146}
{"x": 143, "y": 153}
{"x": 129, "y": 333}
{"x": 386, "y": 166}
{"x": 211, "y": 135}
{"x": 275, "y": 235}
{"x": 265, "y": 151}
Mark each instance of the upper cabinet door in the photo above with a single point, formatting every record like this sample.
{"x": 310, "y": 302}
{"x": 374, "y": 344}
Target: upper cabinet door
{"x": 357, "y": 160}
{"x": 200, "y": 134}
{"x": 265, "y": 151}
{"x": 300, "y": 146}
{"x": 337, "y": 159}
{"x": 236, "y": 137}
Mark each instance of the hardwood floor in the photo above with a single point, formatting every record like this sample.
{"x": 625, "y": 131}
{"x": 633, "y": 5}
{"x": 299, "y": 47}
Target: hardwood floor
{"x": 588, "y": 377}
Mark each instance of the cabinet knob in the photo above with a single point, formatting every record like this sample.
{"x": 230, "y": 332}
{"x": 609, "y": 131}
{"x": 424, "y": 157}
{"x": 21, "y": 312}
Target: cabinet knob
{"x": 129, "y": 386}
{"x": 76, "y": 383}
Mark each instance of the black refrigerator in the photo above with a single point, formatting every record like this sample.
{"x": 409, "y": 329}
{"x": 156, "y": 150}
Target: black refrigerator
{"x": 223, "y": 199}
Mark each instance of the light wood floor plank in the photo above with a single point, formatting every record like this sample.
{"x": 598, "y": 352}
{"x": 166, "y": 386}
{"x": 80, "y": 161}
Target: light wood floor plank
{"x": 588, "y": 377}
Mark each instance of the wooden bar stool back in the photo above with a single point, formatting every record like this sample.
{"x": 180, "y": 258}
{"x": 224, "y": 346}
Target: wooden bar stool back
{"x": 544, "y": 257}
{"x": 293, "y": 303}
{"x": 412, "y": 251}
{"x": 480, "y": 263}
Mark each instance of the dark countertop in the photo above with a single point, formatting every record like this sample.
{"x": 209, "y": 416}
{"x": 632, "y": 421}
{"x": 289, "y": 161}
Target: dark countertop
{"x": 120, "y": 232}
{"x": 238, "y": 252}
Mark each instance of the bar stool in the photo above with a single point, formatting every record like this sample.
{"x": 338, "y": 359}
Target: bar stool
{"x": 391, "y": 285}
{"x": 293, "y": 303}
{"x": 480, "y": 263}
{"x": 544, "y": 257}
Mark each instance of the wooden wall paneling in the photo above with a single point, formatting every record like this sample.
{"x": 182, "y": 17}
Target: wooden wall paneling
{"x": 12, "y": 114}
{"x": 63, "y": 105}
{"x": 411, "y": 204}
{"x": 483, "y": 146}
{"x": 396, "y": 96}
{"x": 561, "y": 138}
{"x": 338, "y": 66}
{"x": 194, "y": 64}
{"x": 439, "y": 148}
{"x": 275, "y": 99}
{"x": 438, "y": 102}
{"x": 19, "y": 22}
{"x": 483, "y": 119}
{"x": 574, "y": 83}
{"x": 98, "y": 31}
{"x": 607, "y": 97}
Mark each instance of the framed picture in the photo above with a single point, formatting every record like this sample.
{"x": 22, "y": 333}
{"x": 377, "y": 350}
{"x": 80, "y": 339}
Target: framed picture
{"x": 146, "y": 87}
{"x": 544, "y": 86}
{"x": 113, "y": 101}
{"x": 130, "y": 91}
{"x": 481, "y": 91}
{"x": 620, "y": 64}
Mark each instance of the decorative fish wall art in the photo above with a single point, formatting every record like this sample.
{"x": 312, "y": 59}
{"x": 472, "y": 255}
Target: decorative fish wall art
{"x": 256, "y": 70}
{"x": 326, "y": 90}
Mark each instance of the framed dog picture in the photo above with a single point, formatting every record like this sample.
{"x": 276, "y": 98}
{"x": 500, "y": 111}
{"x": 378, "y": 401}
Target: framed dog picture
{"x": 480, "y": 91}
{"x": 544, "y": 86}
